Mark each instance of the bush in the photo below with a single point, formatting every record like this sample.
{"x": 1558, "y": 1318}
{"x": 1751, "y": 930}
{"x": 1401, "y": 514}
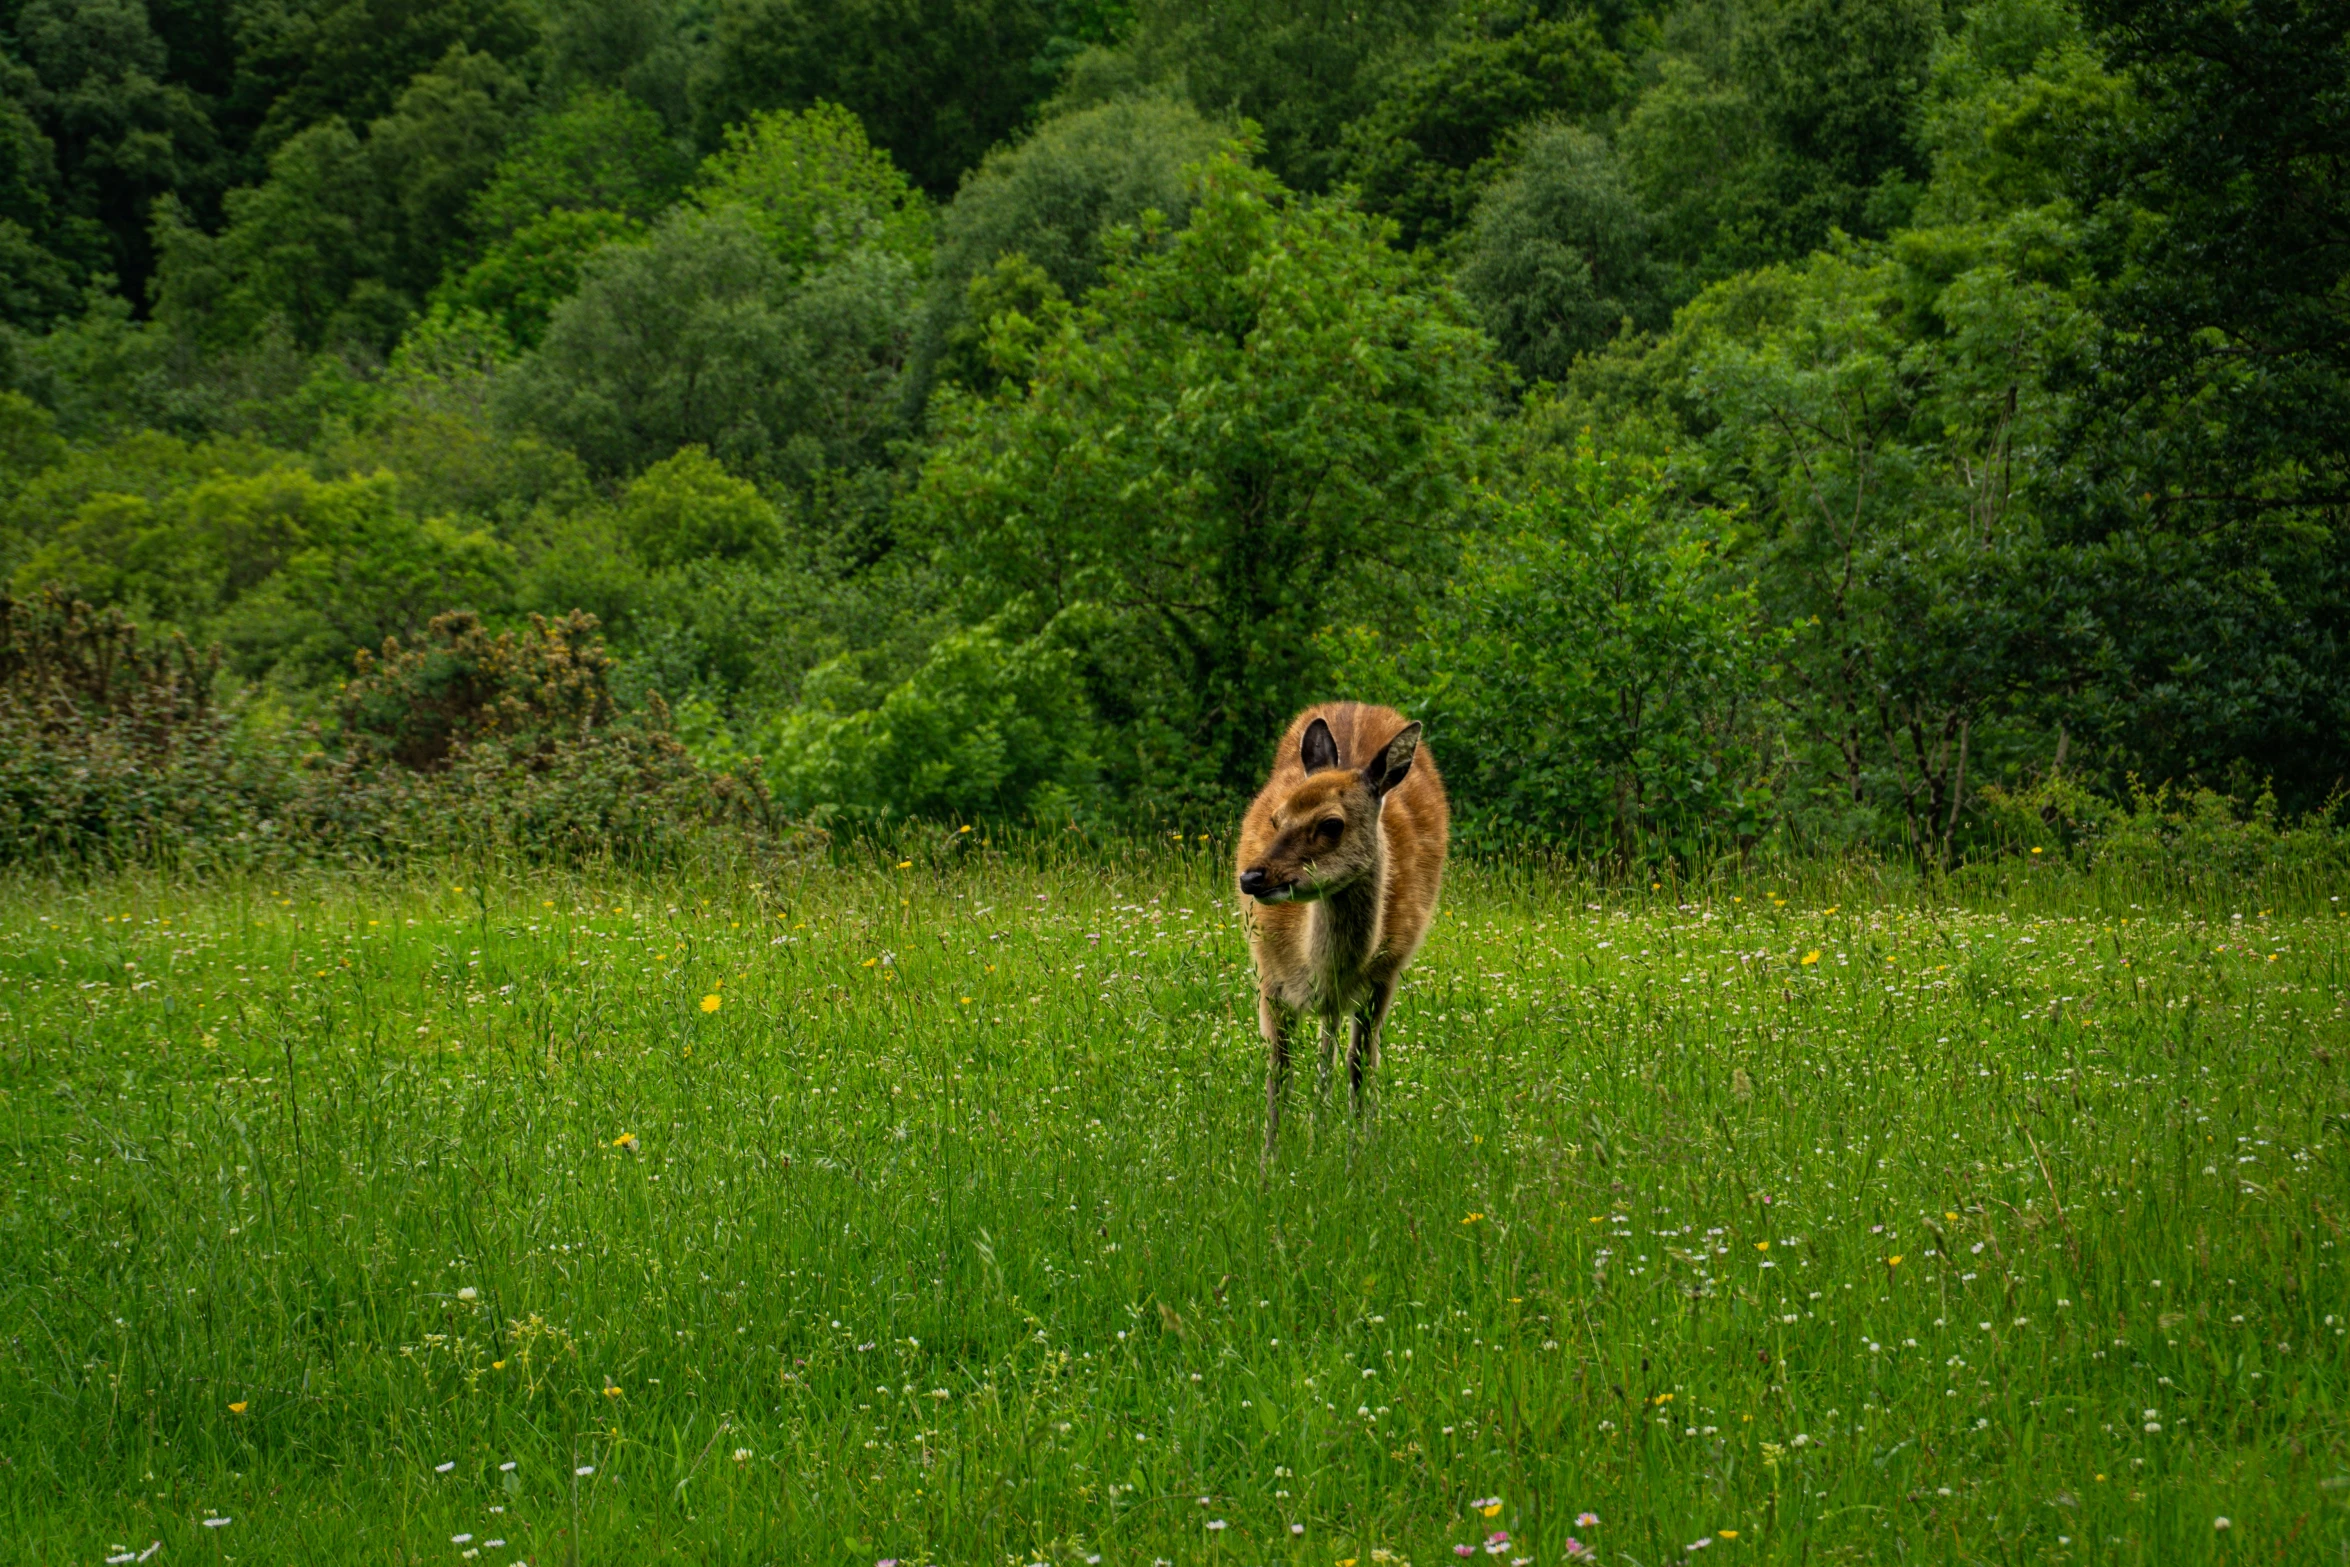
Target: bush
{"x": 1591, "y": 683}
{"x": 2175, "y": 839}
{"x": 112, "y": 747}
{"x": 116, "y": 750}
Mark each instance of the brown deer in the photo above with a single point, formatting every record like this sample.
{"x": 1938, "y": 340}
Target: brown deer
{"x": 1340, "y": 857}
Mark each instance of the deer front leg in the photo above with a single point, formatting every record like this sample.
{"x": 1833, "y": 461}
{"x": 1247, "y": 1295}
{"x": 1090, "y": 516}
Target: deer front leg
{"x": 1329, "y": 1056}
{"x": 1273, "y": 1023}
{"x": 1362, "y": 1057}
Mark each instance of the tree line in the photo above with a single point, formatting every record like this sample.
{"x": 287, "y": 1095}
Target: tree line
{"x": 1860, "y": 422}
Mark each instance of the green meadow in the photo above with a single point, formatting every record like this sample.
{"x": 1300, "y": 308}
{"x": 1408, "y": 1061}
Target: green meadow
{"x": 909, "y": 1209}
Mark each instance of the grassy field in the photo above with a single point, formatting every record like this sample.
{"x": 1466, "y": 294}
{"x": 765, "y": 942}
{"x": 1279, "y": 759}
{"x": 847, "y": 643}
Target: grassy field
{"x": 913, "y": 1211}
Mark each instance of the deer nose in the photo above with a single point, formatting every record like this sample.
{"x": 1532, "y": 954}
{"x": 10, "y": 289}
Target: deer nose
{"x": 1254, "y": 883}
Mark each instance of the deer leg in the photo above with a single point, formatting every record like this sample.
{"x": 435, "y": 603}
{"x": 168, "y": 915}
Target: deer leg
{"x": 1362, "y": 1057}
{"x": 1274, "y": 1025}
{"x": 1330, "y": 1028}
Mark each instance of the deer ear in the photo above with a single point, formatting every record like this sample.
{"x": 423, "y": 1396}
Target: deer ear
{"x": 1388, "y": 768}
{"x": 1318, "y": 751}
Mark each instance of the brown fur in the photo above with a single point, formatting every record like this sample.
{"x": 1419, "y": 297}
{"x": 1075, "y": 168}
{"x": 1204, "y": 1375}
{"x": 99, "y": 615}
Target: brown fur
{"x": 1337, "y": 917}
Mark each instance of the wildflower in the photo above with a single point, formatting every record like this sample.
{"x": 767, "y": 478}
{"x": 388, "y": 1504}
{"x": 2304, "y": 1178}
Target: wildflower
{"x": 1762, "y": 1245}
{"x": 469, "y": 1293}
{"x": 905, "y": 865}
{"x": 1587, "y": 1520}
{"x": 507, "y": 1467}
{"x": 610, "y": 1391}
{"x": 1216, "y": 1526}
{"x": 1727, "y": 1534}
{"x": 442, "y": 1469}
{"x": 1297, "y": 1528}
{"x": 1464, "y": 1550}
{"x": 712, "y": 1002}
{"x": 1893, "y": 1261}
{"x": 1577, "y": 1551}
{"x": 1497, "y": 1542}
{"x": 2221, "y": 1523}
{"x": 1473, "y": 1218}
{"x": 585, "y": 1469}
{"x": 1697, "y": 1545}
{"x": 238, "y": 1407}
{"x": 742, "y": 1455}
{"x": 218, "y": 1523}
{"x": 460, "y": 1539}
{"x": 626, "y": 1140}
{"x": 499, "y": 1365}
{"x": 1811, "y": 957}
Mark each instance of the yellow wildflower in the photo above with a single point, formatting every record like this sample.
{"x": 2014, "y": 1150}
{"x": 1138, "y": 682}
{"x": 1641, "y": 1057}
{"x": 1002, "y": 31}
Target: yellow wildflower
{"x": 711, "y": 1003}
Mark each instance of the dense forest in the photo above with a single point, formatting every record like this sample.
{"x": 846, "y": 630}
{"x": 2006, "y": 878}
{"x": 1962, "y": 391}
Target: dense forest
{"x": 1856, "y": 422}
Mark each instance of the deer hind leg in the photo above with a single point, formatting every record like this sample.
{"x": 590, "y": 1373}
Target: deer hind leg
{"x": 1362, "y": 1056}
{"x": 1273, "y": 1023}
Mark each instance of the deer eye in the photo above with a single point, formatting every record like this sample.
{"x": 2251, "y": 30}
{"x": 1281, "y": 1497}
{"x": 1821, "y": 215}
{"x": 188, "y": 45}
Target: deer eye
{"x": 1329, "y": 829}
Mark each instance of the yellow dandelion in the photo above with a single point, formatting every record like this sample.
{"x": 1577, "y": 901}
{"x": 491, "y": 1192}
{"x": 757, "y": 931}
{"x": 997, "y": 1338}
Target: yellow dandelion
{"x": 966, "y": 827}
{"x": 1953, "y": 1218}
{"x": 869, "y": 962}
{"x": 238, "y": 1407}
{"x": 625, "y": 1140}
{"x": 1491, "y": 1509}
{"x": 966, "y": 1000}
{"x": 1727, "y": 1534}
{"x": 1762, "y": 1245}
{"x": 497, "y": 1365}
{"x": 1811, "y": 957}
{"x": 905, "y": 865}
{"x": 1893, "y": 1261}
{"x": 712, "y": 1002}
{"x": 2035, "y": 848}
{"x": 610, "y": 1391}
{"x": 1473, "y": 1218}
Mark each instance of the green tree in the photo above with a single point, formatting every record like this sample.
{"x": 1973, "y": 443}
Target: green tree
{"x": 1300, "y": 72}
{"x": 1557, "y": 260}
{"x": 594, "y": 173}
{"x": 601, "y": 152}
{"x": 811, "y": 184}
{"x": 439, "y": 146}
{"x": 687, "y": 507}
{"x": 2208, "y": 500}
{"x": 346, "y": 235}
{"x": 698, "y": 337}
{"x": 307, "y": 251}
{"x": 1592, "y": 678}
{"x": 1051, "y": 199}
{"x": 301, "y": 65}
{"x": 990, "y": 725}
{"x": 118, "y": 133}
{"x": 1839, "y": 82}
{"x": 1443, "y": 125}
{"x": 1245, "y": 433}
{"x": 936, "y": 82}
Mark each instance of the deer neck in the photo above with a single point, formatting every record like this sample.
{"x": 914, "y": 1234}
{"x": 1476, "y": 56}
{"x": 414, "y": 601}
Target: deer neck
{"x": 1345, "y": 932}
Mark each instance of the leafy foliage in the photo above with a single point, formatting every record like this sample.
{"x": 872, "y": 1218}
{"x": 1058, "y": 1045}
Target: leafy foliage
{"x": 1243, "y": 433}
{"x": 1557, "y": 261}
{"x": 1590, "y": 680}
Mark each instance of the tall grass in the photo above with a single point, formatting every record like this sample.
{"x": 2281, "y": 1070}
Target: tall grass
{"x": 905, "y": 1203}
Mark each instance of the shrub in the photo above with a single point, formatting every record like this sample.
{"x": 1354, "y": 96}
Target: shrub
{"x": 112, "y": 747}
{"x": 117, "y": 749}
